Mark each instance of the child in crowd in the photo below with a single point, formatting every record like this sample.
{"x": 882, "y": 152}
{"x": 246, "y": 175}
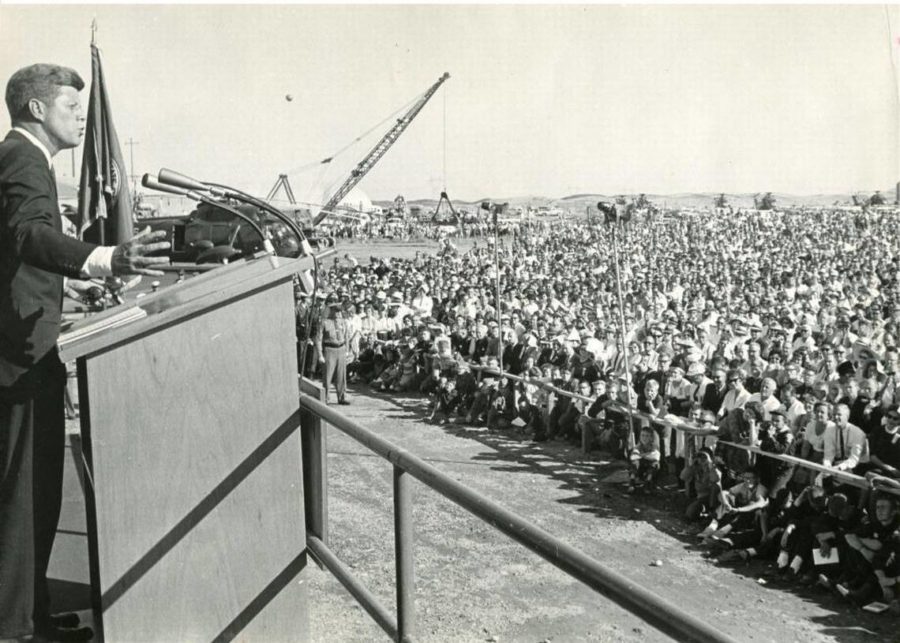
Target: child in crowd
{"x": 644, "y": 458}
{"x": 446, "y": 399}
{"x": 702, "y": 480}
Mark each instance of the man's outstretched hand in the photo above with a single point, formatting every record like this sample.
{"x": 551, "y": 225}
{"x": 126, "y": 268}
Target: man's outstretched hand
{"x": 130, "y": 257}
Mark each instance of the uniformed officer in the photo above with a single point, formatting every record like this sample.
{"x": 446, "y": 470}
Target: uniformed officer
{"x": 331, "y": 342}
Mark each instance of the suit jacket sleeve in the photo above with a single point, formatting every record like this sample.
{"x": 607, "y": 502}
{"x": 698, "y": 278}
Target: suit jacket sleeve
{"x": 30, "y": 214}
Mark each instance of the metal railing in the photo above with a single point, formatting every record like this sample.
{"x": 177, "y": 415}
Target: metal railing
{"x": 636, "y": 599}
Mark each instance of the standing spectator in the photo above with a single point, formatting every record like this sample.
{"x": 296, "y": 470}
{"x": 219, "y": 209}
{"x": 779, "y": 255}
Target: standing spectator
{"x": 331, "y": 345}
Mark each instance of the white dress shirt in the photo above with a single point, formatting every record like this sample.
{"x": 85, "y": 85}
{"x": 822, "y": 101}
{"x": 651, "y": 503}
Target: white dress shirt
{"x": 845, "y": 448}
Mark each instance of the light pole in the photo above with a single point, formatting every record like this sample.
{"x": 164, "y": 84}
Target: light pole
{"x": 131, "y": 143}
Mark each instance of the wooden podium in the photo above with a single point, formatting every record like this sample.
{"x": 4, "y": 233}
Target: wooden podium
{"x": 193, "y": 484}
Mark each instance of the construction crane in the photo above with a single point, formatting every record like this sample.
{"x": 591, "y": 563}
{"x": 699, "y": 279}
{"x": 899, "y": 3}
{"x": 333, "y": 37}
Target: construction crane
{"x": 282, "y": 183}
{"x": 377, "y": 152}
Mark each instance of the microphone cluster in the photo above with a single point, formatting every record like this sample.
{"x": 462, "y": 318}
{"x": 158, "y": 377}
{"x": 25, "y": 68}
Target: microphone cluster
{"x": 214, "y": 193}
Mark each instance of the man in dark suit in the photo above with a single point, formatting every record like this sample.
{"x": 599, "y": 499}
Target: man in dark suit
{"x": 35, "y": 256}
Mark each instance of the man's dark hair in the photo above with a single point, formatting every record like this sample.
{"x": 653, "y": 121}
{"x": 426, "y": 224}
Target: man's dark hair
{"x": 40, "y": 81}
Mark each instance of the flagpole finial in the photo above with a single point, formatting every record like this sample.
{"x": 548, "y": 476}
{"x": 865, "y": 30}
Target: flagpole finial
{"x": 93, "y": 30}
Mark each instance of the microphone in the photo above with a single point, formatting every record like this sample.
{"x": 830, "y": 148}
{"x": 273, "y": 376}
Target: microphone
{"x": 177, "y": 179}
{"x": 149, "y": 182}
{"x": 171, "y": 177}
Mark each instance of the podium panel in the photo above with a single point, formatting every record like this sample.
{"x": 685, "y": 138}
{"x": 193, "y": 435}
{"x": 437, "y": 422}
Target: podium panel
{"x": 195, "y": 504}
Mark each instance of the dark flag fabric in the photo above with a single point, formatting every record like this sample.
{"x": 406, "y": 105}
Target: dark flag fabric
{"x": 104, "y": 202}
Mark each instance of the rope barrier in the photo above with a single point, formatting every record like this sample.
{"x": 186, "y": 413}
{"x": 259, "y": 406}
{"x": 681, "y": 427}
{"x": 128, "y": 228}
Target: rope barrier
{"x": 685, "y": 426}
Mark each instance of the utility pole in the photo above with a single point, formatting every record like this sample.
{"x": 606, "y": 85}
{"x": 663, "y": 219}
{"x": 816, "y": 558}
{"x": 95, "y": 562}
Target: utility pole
{"x": 131, "y": 143}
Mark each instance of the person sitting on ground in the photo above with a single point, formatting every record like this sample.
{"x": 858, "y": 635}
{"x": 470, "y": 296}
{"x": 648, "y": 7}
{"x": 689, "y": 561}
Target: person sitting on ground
{"x": 702, "y": 482}
{"x": 446, "y": 399}
{"x": 740, "y": 428}
{"x": 870, "y": 557}
{"x": 502, "y": 409}
{"x": 644, "y": 458}
{"x": 577, "y": 409}
{"x": 738, "y": 521}
{"x": 531, "y": 412}
{"x": 884, "y": 456}
{"x": 486, "y": 390}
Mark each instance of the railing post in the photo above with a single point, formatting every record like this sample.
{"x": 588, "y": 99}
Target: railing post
{"x": 315, "y": 465}
{"x": 405, "y": 558}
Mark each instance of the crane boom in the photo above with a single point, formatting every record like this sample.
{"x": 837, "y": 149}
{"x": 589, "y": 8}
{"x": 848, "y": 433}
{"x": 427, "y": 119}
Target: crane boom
{"x": 378, "y": 151}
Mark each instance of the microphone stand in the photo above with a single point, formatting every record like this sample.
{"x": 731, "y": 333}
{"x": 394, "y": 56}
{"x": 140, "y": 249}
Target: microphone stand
{"x": 171, "y": 177}
{"x": 305, "y": 248}
{"x": 149, "y": 183}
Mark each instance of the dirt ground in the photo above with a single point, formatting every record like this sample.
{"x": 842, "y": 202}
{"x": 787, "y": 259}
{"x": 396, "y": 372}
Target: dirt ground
{"x": 475, "y": 584}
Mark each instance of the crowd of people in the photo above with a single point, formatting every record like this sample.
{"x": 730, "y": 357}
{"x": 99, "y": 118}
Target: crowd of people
{"x": 738, "y": 339}
{"x": 409, "y": 228}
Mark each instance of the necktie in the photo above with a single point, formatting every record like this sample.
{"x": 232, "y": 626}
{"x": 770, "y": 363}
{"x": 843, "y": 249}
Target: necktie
{"x": 842, "y": 443}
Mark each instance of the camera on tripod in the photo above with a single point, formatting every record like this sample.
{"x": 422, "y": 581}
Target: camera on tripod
{"x": 614, "y": 212}
{"x": 494, "y": 208}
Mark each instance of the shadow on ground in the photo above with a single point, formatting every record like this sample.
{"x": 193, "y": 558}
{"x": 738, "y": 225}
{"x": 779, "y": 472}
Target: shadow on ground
{"x": 598, "y": 482}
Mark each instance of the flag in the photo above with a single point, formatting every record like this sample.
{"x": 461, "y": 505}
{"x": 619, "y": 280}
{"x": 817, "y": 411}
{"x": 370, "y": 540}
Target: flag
{"x": 103, "y": 192}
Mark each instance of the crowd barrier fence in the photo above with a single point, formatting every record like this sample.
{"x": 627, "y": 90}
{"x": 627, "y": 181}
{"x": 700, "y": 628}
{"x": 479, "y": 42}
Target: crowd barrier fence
{"x": 685, "y": 426}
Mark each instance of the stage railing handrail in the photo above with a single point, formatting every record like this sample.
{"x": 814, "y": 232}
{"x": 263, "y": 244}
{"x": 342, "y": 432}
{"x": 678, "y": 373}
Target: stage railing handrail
{"x": 639, "y": 601}
{"x": 684, "y": 425}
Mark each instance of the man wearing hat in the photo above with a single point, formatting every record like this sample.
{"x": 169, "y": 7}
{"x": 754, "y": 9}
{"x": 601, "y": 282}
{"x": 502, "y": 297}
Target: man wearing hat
{"x": 331, "y": 344}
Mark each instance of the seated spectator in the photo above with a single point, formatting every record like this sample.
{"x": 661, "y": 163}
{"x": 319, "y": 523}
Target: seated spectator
{"x": 884, "y": 457}
{"x": 702, "y": 483}
{"x": 738, "y": 520}
{"x": 532, "y": 413}
{"x": 576, "y": 410}
{"x": 865, "y": 410}
{"x": 446, "y": 399}
{"x": 644, "y": 459}
{"x": 870, "y": 559}
{"x": 796, "y": 534}
{"x": 766, "y": 395}
{"x": 739, "y": 428}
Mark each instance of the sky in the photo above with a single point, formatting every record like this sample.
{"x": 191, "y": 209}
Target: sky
{"x": 542, "y": 100}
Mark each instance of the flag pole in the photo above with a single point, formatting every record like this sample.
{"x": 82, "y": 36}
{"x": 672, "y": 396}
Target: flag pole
{"x": 628, "y": 378}
{"x": 497, "y": 275}
{"x": 94, "y": 32}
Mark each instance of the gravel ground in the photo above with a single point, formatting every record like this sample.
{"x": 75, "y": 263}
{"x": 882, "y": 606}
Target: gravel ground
{"x": 475, "y": 584}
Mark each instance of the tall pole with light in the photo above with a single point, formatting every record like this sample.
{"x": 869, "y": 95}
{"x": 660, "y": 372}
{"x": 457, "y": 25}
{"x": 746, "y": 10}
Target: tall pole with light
{"x": 495, "y": 209}
{"x": 616, "y": 215}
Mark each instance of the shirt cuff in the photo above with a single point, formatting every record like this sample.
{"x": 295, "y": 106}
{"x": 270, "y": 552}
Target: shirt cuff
{"x": 99, "y": 262}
